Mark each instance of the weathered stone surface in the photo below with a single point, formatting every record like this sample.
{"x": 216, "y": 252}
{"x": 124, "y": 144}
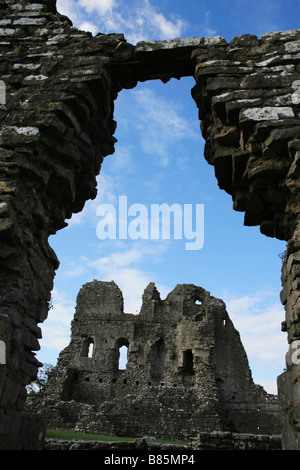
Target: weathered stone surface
{"x": 187, "y": 370}
{"x": 204, "y": 441}
{"x": 55, "y": 132}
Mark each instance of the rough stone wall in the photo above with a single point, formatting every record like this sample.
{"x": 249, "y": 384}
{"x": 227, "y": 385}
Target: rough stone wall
{"x": 249, "y": 104}
{"x": 232, "y": 441}
{"x": 57, "y": 125}
{"x": 187, "y": 370}
{"x": 204, "y": 441}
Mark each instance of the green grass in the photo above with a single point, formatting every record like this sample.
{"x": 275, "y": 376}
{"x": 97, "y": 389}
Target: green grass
{"x": 71, "y": 435}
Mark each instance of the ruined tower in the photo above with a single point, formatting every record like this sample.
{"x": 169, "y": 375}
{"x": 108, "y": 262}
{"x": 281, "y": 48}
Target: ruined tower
{"x": 187, "y": 370}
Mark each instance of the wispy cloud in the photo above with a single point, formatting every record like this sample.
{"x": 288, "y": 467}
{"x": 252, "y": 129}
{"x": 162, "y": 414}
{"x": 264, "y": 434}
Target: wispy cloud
{"x": 56, "y": 330}
{"x": 102, "y": 7}
{"x": 89, "y": 26}
{"x": 160, "y": 125}
{"x": 208, "y": 30}
{"x": 139, "y": 20}
{"x": 125, "y": 267}
{"x": 257, "y": 317}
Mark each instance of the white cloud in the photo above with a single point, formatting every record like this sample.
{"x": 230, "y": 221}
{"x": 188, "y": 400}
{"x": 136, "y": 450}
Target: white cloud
{"x": 102, "y": 7}
{"x": 74, "y": 270}
{"x": 142, "y": 21}
{"x": 69, "y": 9}
{"x": 138, "y": 20}
{"x": 125, "y": 268}
{"x": 257, "y": 318}
{"x": 117, "y": 260}
{"x": 88, "y": 26}
{"x": 160, "y": 125}
{"x": 154, "y": 20}
{"x": 207, "y": 28}
{"x": 56, "y": 329}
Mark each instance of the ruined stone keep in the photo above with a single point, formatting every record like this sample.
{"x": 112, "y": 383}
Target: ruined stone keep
{"x": 187, "y": 370}
{"x": 57, "y": 126}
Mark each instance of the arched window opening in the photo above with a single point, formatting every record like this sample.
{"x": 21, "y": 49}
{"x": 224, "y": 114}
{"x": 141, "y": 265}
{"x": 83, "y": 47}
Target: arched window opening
{"x": 122, "y": 346}
{"x": 91, "y": 349}
{"x": 88, "y": 348}
{"x": 123, "y": 358}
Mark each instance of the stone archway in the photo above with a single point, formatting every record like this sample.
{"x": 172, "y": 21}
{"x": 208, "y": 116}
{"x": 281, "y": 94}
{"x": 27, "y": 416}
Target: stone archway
{"x": 57, "y": 126}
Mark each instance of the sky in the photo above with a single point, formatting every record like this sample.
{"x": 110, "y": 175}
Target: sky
{"x": 159, "y": 159}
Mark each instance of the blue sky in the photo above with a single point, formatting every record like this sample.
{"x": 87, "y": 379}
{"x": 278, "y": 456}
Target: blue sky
{"x": 159, "y": 159}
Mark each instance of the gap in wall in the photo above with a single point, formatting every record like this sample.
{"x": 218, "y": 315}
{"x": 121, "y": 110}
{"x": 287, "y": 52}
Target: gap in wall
{"x": 159, "y": 159}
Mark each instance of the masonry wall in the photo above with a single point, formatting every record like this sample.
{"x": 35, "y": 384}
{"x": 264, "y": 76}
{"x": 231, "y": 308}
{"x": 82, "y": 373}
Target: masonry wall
{"x": 203, "y": 441}
{"x": 56, "y": 126}
{"x": 248, "y": 97}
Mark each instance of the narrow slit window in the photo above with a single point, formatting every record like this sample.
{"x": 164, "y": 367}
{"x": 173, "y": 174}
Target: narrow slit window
{"x": 88, "y": 348}
{"x": 188, "y": 362}
{"x": 91, "y": 349}
{"x": 123, "y": 357}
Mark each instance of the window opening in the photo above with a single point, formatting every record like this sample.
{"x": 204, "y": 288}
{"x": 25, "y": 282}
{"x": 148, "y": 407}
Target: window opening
{"x": 158, "y": 360}
{"x": 91, "y": 349}
{"x": 88, "y": 348}
{"x": 122, "y": 346}
{"x": 188, "y": 362}
{"x": 123, "y": 357}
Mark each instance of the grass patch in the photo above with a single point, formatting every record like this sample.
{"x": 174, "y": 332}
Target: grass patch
{"x": 81, "y": 436}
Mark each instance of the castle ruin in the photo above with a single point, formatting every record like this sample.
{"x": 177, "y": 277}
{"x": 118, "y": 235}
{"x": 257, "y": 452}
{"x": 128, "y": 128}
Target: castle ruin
{"x": 57, "y": 126}
{"x": 187, "y": 370}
